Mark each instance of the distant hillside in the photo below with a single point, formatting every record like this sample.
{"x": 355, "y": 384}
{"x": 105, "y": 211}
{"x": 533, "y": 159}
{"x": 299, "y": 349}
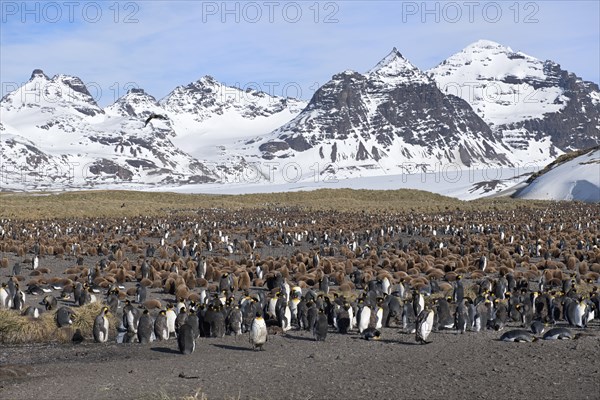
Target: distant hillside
{"x": 572, "y": 176}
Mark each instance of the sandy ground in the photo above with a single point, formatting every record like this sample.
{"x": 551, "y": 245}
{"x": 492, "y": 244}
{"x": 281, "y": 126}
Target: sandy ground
{"x": 293, "y": 366}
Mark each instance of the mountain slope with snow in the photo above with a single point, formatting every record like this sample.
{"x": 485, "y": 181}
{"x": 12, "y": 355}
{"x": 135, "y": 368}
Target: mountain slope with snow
{"x": 385, "y": 121}
{"x": 209, "y": 117}
{"x": 54, "y": 134}
{"x": 539, "y": 110}
{"x": 574, "y": 176}
{"x": 484, "y": 107}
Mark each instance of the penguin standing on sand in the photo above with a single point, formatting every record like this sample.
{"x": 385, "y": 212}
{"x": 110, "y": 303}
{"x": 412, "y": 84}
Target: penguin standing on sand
{"x": 131, "y": 317}
{"x": 461, "y": 317}
{"x": 459, "y": 290}
{"x": 445, "y": 320}
{"x": 311, "y": 316}
{"x": 320, "y": 328}
{"x": 140, "y": 294}
{"x": 575, "y": 313}
{"x": 424, "y": 325}
{"x": 19, "y": 300}
{"x": 258, "y": 332}
{"x": 5, "y": 297}
{"x": 235, "y": 321}
{"x": 145, "y": 328}
{"x": 112, "y": 300}
{"x": 185, "y": 340}
{"x": 364, "y": 318}
{"x": 418, "y": 302}
{"x": 161, "y": 331}
{"x": 171, "y": 317}
{"x": 343, "y": 318}
{"x": 192, "y": 320}
{"x": 180, "y": 320}
{"x": 302, "y": 310}
{"x": 100, "y": 329}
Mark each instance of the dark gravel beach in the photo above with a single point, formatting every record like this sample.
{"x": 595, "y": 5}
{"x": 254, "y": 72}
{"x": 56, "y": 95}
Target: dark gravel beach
{"x": 293, "y": 366}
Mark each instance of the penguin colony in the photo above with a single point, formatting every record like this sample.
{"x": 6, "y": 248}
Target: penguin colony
{"x": 264, "y": 271}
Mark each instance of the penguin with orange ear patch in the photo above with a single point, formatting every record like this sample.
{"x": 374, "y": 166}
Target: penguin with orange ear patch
{"x": 100, "y": 329}
{"x": 258, "y": 332}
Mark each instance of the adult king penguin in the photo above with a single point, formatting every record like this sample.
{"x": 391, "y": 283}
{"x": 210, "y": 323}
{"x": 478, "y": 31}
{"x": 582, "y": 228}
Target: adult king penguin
{"x": 258, "y": 332}
{"x": 101, "y": 325}
{"x": 424, "y": 325}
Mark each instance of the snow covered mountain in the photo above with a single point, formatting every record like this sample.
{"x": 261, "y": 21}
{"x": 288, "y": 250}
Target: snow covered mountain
{"x": 384, "y": 121}
{"x": 209, "y": 117}
{"x": 538, "y": 109}
{"x": 573, "y": 176}
{"x": 53, "y": 134}
{"x": 485, "y": 107}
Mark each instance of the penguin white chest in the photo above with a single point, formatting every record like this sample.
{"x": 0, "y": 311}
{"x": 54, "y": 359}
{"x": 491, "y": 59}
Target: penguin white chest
{"x": 365, "y": 318}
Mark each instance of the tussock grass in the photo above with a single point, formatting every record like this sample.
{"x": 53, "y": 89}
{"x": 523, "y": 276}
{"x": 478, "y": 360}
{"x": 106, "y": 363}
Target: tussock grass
{"x": 93, "y": 204}
{"x": 16, "y": 328}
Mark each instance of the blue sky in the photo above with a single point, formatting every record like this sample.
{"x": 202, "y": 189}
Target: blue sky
{"x": 283, "y": 47}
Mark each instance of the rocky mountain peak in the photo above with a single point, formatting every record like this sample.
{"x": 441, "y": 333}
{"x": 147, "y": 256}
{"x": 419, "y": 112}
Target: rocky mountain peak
{"x": 38, "y": 73}
{"x": 395, "y": 69}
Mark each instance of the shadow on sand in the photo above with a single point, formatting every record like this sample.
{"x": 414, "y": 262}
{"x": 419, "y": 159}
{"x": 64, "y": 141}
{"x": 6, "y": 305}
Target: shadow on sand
{"x": 307, "y": 339}
{"x": 165, "y": 350}
{"x": 229, "y": 347}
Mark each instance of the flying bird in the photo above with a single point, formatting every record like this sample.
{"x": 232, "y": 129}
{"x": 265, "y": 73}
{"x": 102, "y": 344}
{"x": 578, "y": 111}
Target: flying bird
{"x": 157, "y": 116}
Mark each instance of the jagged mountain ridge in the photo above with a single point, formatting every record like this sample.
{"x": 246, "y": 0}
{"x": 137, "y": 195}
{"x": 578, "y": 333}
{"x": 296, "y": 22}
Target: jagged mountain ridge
{"x": 391, "y": 116}
{"x": 54, "y": 133}
{"x": 389, "y": 119}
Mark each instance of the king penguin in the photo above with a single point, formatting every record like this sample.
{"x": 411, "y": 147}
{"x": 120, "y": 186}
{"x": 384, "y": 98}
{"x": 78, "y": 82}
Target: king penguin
{"x": 145, "y": 328}
{"x": 100, "y": 329}
{"x": 343, "y": 318}
{"x": 517, "y": 335}
{"x": 171, "y": 317}
{"x": 537, "y": 327}
{"x": 180, "y": 320}
{"x": 418, "y": 302}
{"x": 5, "y": 297}
{"x": 364, "y": 318}
{"x": 560, "y": 333}
{"x": 161, "y": 331}
{"x": 258, "y": 332}
{"x": 424, "y": 325}
{"x": 63, "y": 317}
{"x": 185, "y": 340}
{"x": 320, "y": 328}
